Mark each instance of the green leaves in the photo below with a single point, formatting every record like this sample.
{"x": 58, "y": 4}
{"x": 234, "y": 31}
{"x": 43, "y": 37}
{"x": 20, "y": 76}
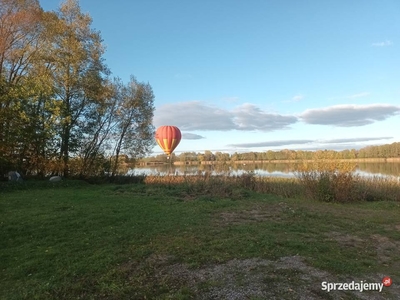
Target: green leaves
{"x": 56, "y": 100}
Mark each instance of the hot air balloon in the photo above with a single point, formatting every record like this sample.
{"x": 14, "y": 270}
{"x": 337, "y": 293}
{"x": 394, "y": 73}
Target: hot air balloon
{"x": 168, "y": 137}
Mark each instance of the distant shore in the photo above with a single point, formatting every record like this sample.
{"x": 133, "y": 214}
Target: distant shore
{"x": 355, "y": 160}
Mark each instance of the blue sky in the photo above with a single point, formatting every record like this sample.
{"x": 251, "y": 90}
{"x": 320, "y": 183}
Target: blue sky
{"x": 258, "y": 75}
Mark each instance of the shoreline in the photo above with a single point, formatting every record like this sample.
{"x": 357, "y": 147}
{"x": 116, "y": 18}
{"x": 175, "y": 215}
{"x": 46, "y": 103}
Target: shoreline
{"x": 288, "y": 161}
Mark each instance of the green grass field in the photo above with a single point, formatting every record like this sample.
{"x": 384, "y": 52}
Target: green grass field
{"x": 73, "y": 240}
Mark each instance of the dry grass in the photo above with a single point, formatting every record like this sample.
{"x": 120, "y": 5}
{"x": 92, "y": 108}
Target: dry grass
{"x": 334, "y": 181}
{"x": 327, "y": 185}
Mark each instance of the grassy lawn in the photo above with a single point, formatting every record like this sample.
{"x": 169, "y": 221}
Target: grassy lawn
{"x": 73, "y": 240}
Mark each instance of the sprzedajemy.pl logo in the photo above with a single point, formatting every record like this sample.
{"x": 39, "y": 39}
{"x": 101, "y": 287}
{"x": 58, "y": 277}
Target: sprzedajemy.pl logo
{"x": 356, "y": 286}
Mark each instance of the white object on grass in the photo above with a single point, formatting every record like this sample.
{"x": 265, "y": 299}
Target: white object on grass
{"x": 55, "y": 178}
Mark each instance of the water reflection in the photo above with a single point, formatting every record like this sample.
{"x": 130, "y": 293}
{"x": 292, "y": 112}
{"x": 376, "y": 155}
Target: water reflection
{"x": 267, "y": 169}
{"x": 388, "y": 169}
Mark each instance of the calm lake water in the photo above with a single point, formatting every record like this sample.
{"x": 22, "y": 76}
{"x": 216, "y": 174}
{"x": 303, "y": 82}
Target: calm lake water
{"x": 267, "y": 169}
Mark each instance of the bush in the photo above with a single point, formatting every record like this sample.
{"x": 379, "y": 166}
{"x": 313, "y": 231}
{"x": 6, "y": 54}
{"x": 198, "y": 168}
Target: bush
{"x": 328, "y": 181}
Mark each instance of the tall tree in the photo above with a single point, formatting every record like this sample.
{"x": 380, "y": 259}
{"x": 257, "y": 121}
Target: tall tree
{"x": 98, "y": 132}
{"x": 78, "y": 70}
{"x": 134, "y": 132}
{"x": 20, "y": 29}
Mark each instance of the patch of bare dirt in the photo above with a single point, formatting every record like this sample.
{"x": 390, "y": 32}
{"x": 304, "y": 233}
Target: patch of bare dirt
{"x": 346, "y": 240}
{"x": 287, "y": 278}
{"x": 271, "y": 212}
{"x": 386, "y": 249}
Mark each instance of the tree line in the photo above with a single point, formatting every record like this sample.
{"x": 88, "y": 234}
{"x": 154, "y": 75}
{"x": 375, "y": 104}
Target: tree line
{"x": 382, "y": 151}
{"x": 61, "y": 112}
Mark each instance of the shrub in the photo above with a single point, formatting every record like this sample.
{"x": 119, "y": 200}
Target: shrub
{"x": 328, "y": 180}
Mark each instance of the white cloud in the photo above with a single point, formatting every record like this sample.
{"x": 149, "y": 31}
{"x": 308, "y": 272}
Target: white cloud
{"x": 297, "y": 98}
{"x": 383, "y": 44}
{"x": 311, "y": 143}
{"x": 352, "y": 140}
{"x": 335, "y": 147}
{"x": 272, "y": 143}
{"x": 191, "y": 136}
{"x": 353, "y": 96}
{"x": 349, "y": 115}
{"x": 250, "y": 117}
{"x": 196, "y": 115}
{"x": 193, "y": 115}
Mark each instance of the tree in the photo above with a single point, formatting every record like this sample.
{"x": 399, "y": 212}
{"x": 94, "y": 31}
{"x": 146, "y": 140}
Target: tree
{"x": 20, "y": 29}
{"x": 77, "y": 71}
{"x": 95, "y": 139}
{"x": 187, "y": 156}
{"x": 134, "y": 132}
{"x": 209, "y": 156}
{"x": 222, "y": 157}
{"x": 270, "y": 155}
{"x": 236, "y": 157}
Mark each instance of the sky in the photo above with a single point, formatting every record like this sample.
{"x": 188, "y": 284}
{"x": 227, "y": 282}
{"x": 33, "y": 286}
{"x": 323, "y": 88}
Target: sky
{"x": 258, "y": 75}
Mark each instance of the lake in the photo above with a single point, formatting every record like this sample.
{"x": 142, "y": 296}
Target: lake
{"x": 261, "y": 169}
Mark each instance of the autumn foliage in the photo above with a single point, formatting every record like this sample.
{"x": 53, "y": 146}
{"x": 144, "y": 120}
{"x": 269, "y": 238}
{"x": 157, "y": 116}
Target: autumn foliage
{"x": 60, "y": 112}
